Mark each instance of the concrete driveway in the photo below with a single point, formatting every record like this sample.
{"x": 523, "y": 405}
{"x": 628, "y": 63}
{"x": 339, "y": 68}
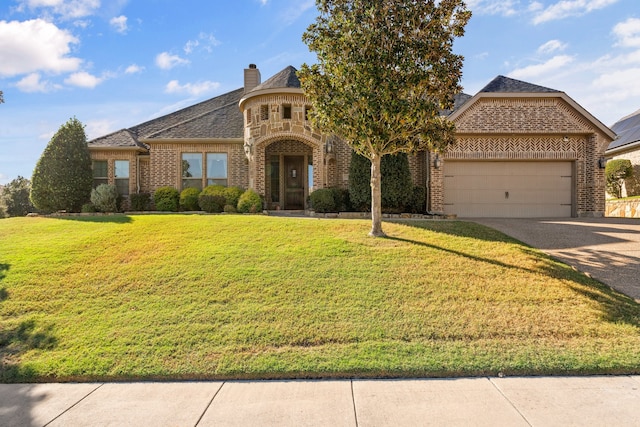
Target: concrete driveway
{"x": 607, "y": 249}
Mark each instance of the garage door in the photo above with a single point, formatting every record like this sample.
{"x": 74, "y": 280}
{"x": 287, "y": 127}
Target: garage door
{"x": 508, "y": 189}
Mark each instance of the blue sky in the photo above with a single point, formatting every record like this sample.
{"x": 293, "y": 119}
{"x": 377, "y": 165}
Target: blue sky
{"x": 116, "y": 63}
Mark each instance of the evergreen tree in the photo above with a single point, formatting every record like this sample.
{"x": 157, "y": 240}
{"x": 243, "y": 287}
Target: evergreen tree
{"x": 15, "y": 196}
{"x": 63, "y": 178}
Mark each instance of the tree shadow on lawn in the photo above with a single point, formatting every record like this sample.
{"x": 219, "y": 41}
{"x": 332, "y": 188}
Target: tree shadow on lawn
{"x": 114, "y": 219}
{"x": 615, "y": 306}
{"x": 18, "y": 339}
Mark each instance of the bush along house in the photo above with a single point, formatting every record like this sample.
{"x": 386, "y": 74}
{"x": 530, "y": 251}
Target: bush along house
{"x": 521, "y": 150}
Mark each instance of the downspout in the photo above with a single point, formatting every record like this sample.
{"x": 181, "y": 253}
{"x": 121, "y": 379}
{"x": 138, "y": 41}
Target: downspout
{"x": 428, "y": 179}
{"x": 138, "y": 172}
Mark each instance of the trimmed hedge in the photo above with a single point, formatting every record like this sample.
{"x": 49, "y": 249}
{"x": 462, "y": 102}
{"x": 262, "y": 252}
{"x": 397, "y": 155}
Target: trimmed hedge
{"x": 250, "y": 202}
{"x": 189, "y": 199}
{"x": 140, "y": 201}
{"x": 166, "y": 199}
{"x": 211, "y": 203}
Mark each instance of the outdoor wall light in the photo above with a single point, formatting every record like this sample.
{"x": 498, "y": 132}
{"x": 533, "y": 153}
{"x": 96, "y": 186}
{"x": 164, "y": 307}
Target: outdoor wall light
{"x": 248, "y": 148}
{"x": 565, "y": 139}
{"x": 437, "y": 162}
{"x": 602, "y": 163}
{"x": 328, "y": 147}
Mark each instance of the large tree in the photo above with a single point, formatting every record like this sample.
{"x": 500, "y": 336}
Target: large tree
{"x": 385, "y": 71}
{"x": 15, "y": 196}
{"x": 63, "y": 178}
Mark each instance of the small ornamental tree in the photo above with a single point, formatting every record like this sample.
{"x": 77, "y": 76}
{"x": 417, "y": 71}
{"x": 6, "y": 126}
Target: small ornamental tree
{"x": 385, "y": 71}
{"x": 63, "y": 178}
{"x": 616, "y": 171}
{"x": 15, "y": 196}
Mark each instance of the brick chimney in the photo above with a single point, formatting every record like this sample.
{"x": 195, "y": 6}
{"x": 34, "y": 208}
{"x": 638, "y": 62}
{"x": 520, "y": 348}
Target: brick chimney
{"x": 251, "y": 78}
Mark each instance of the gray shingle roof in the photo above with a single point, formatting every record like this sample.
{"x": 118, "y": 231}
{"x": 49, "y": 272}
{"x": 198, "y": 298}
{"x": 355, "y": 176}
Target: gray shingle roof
{"x": 217, "y": 117}
{"x": 628, "y": 130}
{"x": 119, "y": 139}
{"x": 509, "y": 85}
{"x": 287, "y": 78}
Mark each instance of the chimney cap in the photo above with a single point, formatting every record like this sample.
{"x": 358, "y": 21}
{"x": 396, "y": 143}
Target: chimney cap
{"x": 252, "y": 66}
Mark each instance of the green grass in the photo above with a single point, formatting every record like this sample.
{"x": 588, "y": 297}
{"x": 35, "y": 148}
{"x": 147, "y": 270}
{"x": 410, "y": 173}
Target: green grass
{"x": 217, "y": 297}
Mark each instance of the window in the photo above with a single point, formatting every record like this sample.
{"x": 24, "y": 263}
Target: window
{"x": 122, "y": 177}
{"x": 100, "y": 172}
{"x": 264, "y": 112}
{"x": 192, "y": 170}
{"x": 217, "y": 169}
{"x": 249, "y": 116}
{"x": 310, "y": 174}
{"x": 286, "y": 111}
{"x": 307, "y": 110}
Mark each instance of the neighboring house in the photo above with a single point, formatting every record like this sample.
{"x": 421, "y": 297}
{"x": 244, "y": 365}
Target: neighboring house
{"x": 522, "y": 151}
{"x": 627, "y": 146}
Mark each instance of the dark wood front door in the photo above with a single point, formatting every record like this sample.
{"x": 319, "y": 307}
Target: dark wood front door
{"x": 294, "y": 182}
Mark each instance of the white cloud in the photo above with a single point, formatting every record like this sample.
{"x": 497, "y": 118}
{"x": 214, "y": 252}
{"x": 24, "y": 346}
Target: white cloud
{"x": 32, "y": 83}
{"x": 536, "y": 71}
{"x": 120, "y": 24}
{"x": 628, "y": 32}
{"x": 97, "y": 128}
{"x": 293, "y": 13}
{"x": 67, "y": 9}
{"x": 194, "y": 89}
{"x": 167, "y": 61}
{"x": 84, "y": 80}
{"x": 35, "y": 45}
{"x": 493, "y": 7}
{"x": 206, "y": 41}
{"x": 568, "y": 8}
{"x": 134, "y": 69}
{"x": 552, "y": 46}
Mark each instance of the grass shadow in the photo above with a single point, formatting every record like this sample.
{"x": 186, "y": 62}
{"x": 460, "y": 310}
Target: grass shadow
{"x": 114, "y": 219}
{"x": 615, "y": 306}
{"x": 18, "y": 339}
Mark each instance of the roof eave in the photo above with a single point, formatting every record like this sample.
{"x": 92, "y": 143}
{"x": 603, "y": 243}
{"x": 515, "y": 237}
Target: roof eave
{"x": 115, "y": 148}
{"x": 623, "y": 148}
{"x": 239, "y": 140}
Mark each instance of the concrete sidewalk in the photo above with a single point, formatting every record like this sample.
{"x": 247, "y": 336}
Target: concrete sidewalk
{"x": 540, "y": 401}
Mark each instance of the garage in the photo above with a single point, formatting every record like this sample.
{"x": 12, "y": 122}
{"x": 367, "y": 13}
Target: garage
{"x": 508, "y": 189}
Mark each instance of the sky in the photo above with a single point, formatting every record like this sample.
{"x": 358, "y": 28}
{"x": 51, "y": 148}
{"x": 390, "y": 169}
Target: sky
{"x": 113, "y": 64}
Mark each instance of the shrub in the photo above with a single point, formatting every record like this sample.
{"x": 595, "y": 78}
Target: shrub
{"x": 211, "y": 203}
{"x": 88, "y": 208}
{"x": 232, "y": 195}
{"x": 418, "y": 200}
{"x": 616, "y": 171}
{"x": 189, "y": 199}
{"x": 230, "y": 209}
{"x": 166, "y": 199}
{"x": 396, "y": 188}
{"x": 62, "y": 178}
{"x": 14, "y": 197}
{"x": 322, "y": 200}
{"x": 250, "y": 202}
{"x": 342, "y": 199}
{"x": 214, "y": 190}
{"x": 140, "y": 202}
{"x": 105, "y": 198}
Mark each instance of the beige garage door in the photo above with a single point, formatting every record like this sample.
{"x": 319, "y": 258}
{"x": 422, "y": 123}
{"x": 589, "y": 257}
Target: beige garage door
{"x": 508, "y": 189}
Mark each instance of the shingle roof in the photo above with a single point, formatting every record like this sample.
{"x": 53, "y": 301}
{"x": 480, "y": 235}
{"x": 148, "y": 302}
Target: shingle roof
{"x": 217, "y": 117}
{"x": 119, "y": 139}
{"x": 458, "y": 101}
{"x": 509, "y": 85}
{"x": 628, "y": 130}
{"x": 287, "y": 78}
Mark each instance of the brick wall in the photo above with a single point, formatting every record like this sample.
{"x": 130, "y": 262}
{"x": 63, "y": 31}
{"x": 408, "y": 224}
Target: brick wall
{"x": 527, "y": 128}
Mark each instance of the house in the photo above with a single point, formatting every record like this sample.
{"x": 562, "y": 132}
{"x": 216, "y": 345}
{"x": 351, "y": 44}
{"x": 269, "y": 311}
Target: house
{"x": 522, "y": 150}
{"x": 627, "y": 146}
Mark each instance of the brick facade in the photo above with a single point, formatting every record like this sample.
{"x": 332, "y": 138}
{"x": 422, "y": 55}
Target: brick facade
{"x": 530, "y": 128}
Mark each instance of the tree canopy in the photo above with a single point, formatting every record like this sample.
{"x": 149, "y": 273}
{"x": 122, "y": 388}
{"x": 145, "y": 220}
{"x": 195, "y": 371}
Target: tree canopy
{"x": 385, "y": 72}
{"x": 15, "y": 196}
{"x": 63, "y": 177}
{"x": 616, "y": 172}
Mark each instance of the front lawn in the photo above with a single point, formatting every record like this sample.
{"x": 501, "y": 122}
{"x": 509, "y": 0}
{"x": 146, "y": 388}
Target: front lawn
{"x": 232, "y": 296}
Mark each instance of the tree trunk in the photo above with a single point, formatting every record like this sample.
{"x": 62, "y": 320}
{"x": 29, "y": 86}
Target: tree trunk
{"x": 376, "y": 198}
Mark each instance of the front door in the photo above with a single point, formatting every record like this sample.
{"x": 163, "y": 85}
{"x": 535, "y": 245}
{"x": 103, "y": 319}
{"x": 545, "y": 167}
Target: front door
{"x": 294, "y": 182}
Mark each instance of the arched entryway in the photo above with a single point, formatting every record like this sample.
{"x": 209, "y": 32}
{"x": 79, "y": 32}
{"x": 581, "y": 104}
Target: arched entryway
{"x": 289, "y": 174}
